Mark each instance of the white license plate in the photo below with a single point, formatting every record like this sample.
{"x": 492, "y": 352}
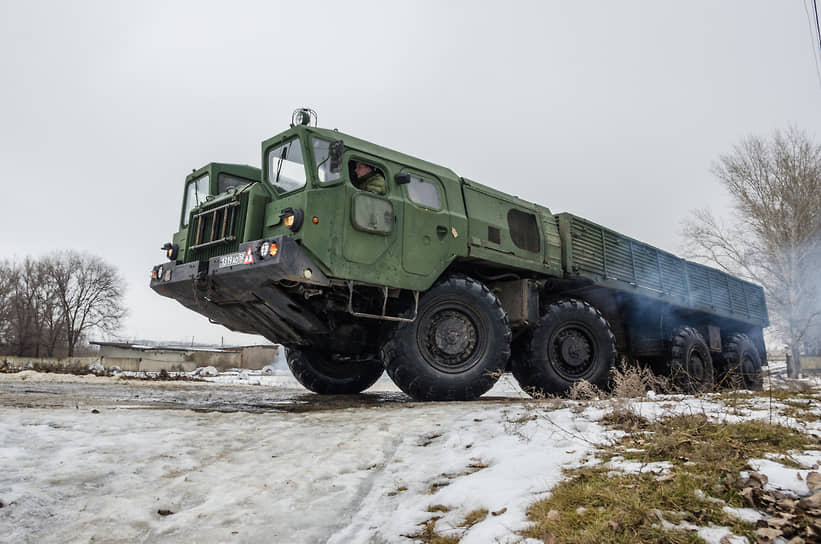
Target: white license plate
{"x": 232, "y": 259}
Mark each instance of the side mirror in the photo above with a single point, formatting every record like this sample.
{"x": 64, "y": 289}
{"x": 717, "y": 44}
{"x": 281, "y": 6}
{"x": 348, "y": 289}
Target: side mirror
{"x": 335, "y": 151}
{"x": 402, "y": 179}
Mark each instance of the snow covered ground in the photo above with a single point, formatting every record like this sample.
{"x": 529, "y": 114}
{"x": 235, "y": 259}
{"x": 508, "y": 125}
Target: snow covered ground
{"x": 106, "y": 470}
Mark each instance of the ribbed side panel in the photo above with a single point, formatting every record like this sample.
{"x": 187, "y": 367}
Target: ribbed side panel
{"x": 587, "y": 248}
{"x": 672, "y": 274}
{"x": 699, "y": 277}
{"x": 755, "y": 298}
{"x": 618, "y": 259}
{"x": 602, "y": 254}
{"x": 648, "y": 270}
{"x": 720, "y": 291}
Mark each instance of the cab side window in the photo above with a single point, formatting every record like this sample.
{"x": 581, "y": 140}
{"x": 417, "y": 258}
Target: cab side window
{"x": 367, "y": 177}
{"x": 322, "y": 155}
{"x": 424, "y": 193}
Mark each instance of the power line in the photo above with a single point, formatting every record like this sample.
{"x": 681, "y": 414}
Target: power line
{"x": 817, "y": 24}
{"x": 816, "y": 51}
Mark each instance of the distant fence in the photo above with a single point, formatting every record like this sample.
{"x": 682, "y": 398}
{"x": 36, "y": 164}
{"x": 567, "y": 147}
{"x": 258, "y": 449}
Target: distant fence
{"x": 66, "y": 363}
{"x": 153, "y": 360}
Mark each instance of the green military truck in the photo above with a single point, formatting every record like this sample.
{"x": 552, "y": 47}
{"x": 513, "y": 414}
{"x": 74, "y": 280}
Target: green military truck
{"x": 442, "y": 281}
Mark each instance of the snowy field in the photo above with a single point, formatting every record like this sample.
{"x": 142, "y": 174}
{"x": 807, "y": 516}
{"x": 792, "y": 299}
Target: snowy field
{"x": 104, "y": 459}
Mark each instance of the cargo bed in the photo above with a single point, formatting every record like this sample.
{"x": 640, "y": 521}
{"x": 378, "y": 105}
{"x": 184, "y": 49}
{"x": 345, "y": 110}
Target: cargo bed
{"x": 618, "y": 262}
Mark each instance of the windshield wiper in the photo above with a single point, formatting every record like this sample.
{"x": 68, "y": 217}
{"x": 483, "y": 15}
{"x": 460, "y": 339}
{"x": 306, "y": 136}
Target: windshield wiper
{"x": 279, "y": 164}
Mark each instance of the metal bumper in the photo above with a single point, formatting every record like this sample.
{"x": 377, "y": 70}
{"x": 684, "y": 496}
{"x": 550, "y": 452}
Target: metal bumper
{"x": 250, "y": 296}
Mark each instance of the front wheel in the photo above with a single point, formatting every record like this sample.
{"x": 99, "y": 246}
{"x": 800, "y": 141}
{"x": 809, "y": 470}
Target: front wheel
{"x": 330, "y": 374}
{"x": 573, "y": 342}
{"x": 455, "y": 349}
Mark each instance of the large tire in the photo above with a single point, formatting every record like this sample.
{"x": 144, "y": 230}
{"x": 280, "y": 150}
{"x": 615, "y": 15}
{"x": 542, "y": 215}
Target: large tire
{"x": 455, "y": 349}
{"x": 573, "y": 342}
{"x": 741, "y": 364}
{"x": 328, "y": 374}
{"x": 691, "y": 366}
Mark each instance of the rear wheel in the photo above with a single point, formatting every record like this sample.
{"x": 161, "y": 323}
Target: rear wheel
{"x": 331, "y": 374}
{"x": 691, "y": 366}
{"x": 741, "y": 364}
{"x": 573, "y": 342}
{"x": 457, "y": 347}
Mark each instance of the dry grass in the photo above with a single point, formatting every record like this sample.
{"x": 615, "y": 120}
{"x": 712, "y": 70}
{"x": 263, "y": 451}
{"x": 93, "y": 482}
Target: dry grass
{"x": 473, "y": 517}
{"x": 630, "y": 381}
{"x": 429, "y": 535}
{"x": 584, "y": 390}
{"x": 594, "y": 504}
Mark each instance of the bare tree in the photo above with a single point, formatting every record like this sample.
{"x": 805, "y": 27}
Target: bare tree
{"x": 23, "y": 281}
{"x": 5, "y": 304}
{"x": 775, "y": 236}
{"x": 52, "y": 321}
{"x": 89, "y": 293}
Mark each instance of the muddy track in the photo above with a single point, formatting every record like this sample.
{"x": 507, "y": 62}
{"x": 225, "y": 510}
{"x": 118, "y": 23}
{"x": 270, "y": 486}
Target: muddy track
{"x": 196, "y": 396}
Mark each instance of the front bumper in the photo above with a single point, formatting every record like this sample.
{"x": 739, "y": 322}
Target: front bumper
{"x": 249, "y": 296}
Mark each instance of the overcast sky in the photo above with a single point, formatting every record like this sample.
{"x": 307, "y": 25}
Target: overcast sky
{"x": 610, "y": 110}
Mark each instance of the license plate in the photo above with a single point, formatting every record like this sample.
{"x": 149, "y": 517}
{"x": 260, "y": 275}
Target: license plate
{"x": 232, "y": 259}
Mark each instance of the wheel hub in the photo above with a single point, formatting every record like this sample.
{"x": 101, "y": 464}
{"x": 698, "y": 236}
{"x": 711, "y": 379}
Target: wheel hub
{"x": 450, "y": 340}
{"x": 452, "y": 335}
{"x": 575, "y": 349}
{"x": 572, "y": 351}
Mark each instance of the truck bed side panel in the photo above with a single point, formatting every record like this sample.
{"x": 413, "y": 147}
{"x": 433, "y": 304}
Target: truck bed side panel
{"x": 616, "y": 261}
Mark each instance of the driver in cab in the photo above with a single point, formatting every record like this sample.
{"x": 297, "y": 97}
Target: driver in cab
{"x": 369, "y": 178}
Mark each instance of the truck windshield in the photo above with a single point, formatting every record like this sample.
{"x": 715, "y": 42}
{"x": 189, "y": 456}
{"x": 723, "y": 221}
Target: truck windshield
{"x": 195, "y": 193}
{"x": 286, "y": 167}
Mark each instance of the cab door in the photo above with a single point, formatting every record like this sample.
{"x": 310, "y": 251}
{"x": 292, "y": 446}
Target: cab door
{"x": 426, "y": 223}
{"x": 370, "y": 221}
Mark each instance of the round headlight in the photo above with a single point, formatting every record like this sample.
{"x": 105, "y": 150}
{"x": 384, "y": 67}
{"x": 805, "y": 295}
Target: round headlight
{"x": 171, "y": 251}
{"x": 263, "y": 249}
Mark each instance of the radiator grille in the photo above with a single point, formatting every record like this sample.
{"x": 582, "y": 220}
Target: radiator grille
{"x": 217, "y": 230}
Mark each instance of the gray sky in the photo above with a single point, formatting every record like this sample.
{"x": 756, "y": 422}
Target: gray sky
{"x": 610, "y": 110}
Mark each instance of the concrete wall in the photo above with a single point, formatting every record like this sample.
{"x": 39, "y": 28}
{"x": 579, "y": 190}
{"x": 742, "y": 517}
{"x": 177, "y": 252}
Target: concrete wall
{"x": 154, "y": 360}
{"x": 810, "y": 364}
{"x": 257, "y": 357}
{"x": 66, "y": 363}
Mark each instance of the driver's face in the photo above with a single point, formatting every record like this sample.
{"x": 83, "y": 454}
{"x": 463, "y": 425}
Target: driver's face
{"x": 362, "y": 170}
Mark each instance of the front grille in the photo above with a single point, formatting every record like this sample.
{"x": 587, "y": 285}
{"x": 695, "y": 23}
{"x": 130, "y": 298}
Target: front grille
{"x": 217, "y": 230}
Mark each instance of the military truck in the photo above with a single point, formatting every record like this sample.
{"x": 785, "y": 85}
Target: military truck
{"x": 441, "y": 281}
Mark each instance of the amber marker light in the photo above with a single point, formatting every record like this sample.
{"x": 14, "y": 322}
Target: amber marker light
{"x": 289, "y": 221}
{"x": 315, "y": 220}
{"x": 274, "y": 249}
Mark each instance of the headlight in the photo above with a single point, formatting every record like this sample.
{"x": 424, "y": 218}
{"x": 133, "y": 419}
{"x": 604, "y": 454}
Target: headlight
{"x": 268, "y": 249}
{"x": 171, "y": 251}
{"x": 292, "y": 218}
